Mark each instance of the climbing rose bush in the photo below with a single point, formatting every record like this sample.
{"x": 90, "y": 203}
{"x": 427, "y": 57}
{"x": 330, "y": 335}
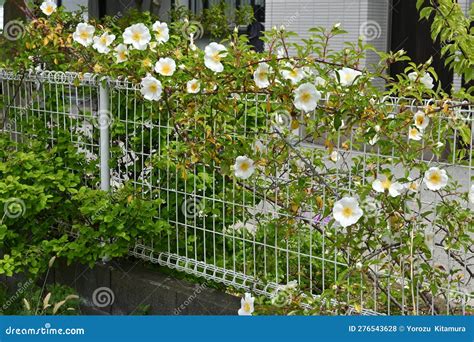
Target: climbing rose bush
{"x": 367, "y": 212}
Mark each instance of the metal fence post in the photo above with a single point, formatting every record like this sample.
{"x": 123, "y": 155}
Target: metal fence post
{"x": 104, "y": 120}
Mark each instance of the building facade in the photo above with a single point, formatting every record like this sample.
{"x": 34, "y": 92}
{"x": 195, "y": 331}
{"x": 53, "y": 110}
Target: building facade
{"x": 386, "y": 24}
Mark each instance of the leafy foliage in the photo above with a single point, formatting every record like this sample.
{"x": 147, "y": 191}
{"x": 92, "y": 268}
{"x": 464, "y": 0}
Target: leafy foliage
{"x": 196, "y": 138}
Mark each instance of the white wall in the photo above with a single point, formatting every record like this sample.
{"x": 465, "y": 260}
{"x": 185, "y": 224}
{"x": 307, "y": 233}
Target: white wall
{"x": 1, "y": 17}
{"x": 357, "y": 17}
{"x": 73, "y": 5}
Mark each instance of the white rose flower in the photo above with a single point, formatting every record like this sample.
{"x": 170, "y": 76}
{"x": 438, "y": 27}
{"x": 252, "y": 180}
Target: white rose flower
{"x": 247, "y": 305}
{"x": 412, "y": 76}
{"x": 374, "y": 139}
{"x": 414, "y": 134}
{"x": 320, "y": 82}
{"x": 435, "y": 179}
{"x": 259, "y": 147}
{"x": 421, "y": 120}
{"x": 281, "y": 53}
{"x": 162, "y": 32}
{"x": 385, "y": 184}
{"x": 261, "y": 75}
{"x": 102, "y": 43}
{"x": 151, "y": 88}
{"x": 306, "y": 97}
{"x": 334, "y": 156}
{"x": 426, "y": 79}
{"x": 295, "y": 75}
{"x": 84, "y": 34}
{"x": 240, "y": 226}
{"x": 244, "y": 167}
{"x": 48, "y": 7}
{"x": 348, "y": 76}
{"x": 193, "y": 86}
{"x": 165, "y": 66}
{"x": 412, "y": 186}
{"x": 121, "y": 53}
{"x": 137, "y": 35}
{"x": 192, "y": 46}
{"x": 213, "y": 55}
{"x": 347, "y": 211}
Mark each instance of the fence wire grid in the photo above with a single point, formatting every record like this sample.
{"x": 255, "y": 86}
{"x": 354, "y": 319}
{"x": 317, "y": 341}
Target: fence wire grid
{"x": 209, "y": 237}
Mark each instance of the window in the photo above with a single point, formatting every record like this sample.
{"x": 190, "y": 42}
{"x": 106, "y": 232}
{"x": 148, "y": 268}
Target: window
{"x": 198, "y": 5}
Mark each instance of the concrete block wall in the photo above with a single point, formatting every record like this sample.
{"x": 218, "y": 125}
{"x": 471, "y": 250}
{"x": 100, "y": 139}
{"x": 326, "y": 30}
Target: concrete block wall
{"x": 135, "y": 286}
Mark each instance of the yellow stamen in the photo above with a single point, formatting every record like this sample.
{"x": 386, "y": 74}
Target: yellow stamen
{"x": 305, "y": 97}
{"x": 166, "y": 69}
{"x": 244, "y": 166}
{"x": 347, "y": 212}
{"x": 84, "y": 35}
{"x": 137, "y": 36}
{"x": 435, "y": 178}
{"x": 216, "y": 57}
{"x": 386, "y": 184}
{"x": 420, "y": 119}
